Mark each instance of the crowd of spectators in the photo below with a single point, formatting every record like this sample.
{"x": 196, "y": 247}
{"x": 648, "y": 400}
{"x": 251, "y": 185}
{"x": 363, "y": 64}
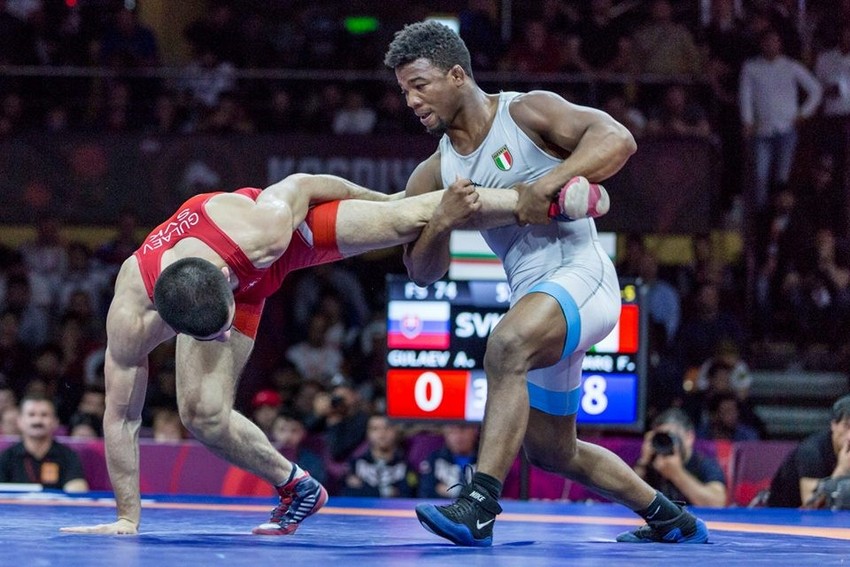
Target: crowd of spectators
{"x": 674, "y": 69}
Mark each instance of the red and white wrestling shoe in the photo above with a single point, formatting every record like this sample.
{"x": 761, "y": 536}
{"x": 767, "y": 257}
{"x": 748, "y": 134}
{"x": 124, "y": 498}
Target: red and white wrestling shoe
{"x": 299, "y": 498}
{"x": 580, "y": 199}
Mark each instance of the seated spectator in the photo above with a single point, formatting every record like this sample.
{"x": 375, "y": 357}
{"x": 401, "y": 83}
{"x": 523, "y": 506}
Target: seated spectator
{"x": 821, "y": 455}
{"x": 818, "y": 292}
{"x": 708, "y": 327}
{"x": 678, "y": 115}
{"x": 46, "y": 260}
{"x": 340, "y": 417}
{"x": 9, "y": 421}
{"x": 315, "y": 358}
{"x": 669, "y": 463}
{"x": 666, "y": 47}
{"x": 662, "y": 299}
{"x": 85, "y": 426}
{"x": 383, "y": 469}
{"x": 93, "y": 402}
{"x": 617, "y": 105}
{"x": 122, "y": 244}
{"x": 39, "y": 458}
{"x": 441, "y": 473}
{"x": 355, "y": 116}
{"x": 724, "y": 420}
{"x": 725, "y": 373}
{"x": 33, "y": 319}
{"x": 15, "y": 362}
{"x": 288, "y": 433}
{"x": 479, "y": 27}
{"x": 264, "y": 409}
{"x": 536, "y": 50}
{"x": 8, "y": 399}
{"x": 229, "y": 115}
{"x": 167, "y": 427}
{"x": 600, "y": 34}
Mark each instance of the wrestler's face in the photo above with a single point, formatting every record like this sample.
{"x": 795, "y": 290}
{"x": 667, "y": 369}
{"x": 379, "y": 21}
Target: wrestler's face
{"x": 432, "y": 93}
{"x": 224, "y": 333}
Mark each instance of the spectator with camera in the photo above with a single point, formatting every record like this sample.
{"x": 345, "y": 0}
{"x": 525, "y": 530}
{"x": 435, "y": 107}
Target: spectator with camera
{"x": 669, "y": 463}
{"x": 340, "y": 416}
{"x": 811, "y": 474}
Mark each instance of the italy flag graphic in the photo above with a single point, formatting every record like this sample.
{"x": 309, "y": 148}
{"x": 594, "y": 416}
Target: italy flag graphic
{"x": 503, "y": 158}
{"x": 624, "y": 337}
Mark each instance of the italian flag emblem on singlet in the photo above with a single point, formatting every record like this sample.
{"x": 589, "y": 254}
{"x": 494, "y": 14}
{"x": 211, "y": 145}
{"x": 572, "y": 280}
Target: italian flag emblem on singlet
{"x": 503, "y": 158}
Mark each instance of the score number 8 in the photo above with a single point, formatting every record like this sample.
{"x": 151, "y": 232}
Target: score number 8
{"x": 593, "y": 398}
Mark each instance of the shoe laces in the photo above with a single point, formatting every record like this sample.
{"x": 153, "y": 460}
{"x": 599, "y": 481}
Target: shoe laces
{"x": 465, "y": 504}
{"x": 279, "y": 512}
{"x": 465, "y": 478}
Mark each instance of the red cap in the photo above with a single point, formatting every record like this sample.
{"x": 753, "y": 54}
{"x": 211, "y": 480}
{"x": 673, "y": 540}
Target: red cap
{"x": 266, "y": 398}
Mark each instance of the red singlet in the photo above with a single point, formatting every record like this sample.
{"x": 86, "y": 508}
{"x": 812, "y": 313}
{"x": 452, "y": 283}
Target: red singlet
{"x": 313, "y": 243}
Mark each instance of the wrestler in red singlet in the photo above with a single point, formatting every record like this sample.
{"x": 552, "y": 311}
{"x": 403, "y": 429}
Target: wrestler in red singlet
{"x": 316, "y": 244}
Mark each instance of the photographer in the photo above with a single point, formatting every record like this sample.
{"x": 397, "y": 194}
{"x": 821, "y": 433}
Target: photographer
{"x": 821, "y": 457}
{"x": 340, "y": 417}
{"x": 670, "y": 465}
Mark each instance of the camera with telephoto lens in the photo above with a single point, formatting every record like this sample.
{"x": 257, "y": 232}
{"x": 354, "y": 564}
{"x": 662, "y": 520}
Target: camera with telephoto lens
{"x": 665, "y": 443}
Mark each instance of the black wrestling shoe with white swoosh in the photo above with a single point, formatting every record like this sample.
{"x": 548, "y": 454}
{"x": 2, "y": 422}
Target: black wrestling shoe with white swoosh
{"x": 468, "y": 521}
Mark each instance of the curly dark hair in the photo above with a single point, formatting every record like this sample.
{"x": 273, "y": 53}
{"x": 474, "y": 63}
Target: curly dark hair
{"x": 193, "y": 297}
{"x": 428, "y": 40}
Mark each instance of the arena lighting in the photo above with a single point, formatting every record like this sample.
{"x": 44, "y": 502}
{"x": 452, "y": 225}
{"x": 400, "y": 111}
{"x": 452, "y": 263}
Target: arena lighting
{"x": 359, "y": 25}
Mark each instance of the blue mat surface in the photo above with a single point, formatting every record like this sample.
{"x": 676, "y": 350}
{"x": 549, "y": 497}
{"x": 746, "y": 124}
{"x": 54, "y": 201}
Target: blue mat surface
{"x": 183, "y": 531}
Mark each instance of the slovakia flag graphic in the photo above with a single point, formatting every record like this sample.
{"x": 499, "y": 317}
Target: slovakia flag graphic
{"x": 418, "y": 324}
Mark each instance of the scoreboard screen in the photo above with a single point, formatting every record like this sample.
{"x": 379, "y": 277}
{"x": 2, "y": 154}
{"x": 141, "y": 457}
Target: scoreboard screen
{"x": 437, "y": 335}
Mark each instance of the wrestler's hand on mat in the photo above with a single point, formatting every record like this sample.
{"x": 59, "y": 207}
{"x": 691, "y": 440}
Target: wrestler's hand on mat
{"x": 120, "y": 527}
{"x": 459, "y": 202}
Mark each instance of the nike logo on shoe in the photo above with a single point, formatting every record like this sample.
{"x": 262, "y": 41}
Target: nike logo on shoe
{"x": 478, "y": 496}
{"x": 479, "y": 524}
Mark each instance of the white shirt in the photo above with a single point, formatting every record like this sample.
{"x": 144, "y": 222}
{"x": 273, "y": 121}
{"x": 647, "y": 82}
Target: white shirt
{"x": 833, "y": 68}
{"x": 768, "y": 94}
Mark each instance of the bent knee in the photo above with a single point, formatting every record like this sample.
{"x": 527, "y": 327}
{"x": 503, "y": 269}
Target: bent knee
{"x": 508, "y": 348}
{"x": 203, "y": 422}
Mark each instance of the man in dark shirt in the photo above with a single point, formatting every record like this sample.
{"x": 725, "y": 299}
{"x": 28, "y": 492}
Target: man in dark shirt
{"x": 38, "y": 458}
{"x": 440, "y": 475}
{"x": 669, "y": 463}
{"x": 382, "y": 470}
{"x": 823, "y": 454}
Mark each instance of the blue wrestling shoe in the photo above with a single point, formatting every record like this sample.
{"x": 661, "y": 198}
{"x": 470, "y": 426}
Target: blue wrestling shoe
{"x": 299, "y": 498}
{"x": 468, "y": 521}
{"x": 684, "y": 528}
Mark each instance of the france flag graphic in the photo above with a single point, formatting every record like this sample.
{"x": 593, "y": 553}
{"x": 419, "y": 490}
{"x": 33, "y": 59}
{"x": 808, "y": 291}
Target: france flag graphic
{"x": 418, "y": 324}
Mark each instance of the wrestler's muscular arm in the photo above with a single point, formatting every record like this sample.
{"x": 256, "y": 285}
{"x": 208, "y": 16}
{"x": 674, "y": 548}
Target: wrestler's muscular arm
{"x": 427, "y": 258}
{"x": 132, "y": 333}
{"x": 460, "y": 206}
{"x": 597, "y": 146}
